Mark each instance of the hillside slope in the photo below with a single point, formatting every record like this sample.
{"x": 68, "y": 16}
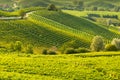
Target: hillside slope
{"x": 50, "y": 28}
{"x": 31, "y": 33}
{"x": 79, "y": 25}
{"x": 102, "y": 4}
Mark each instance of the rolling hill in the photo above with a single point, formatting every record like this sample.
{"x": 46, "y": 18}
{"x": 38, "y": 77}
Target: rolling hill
{"x": 50, "y": 28}
{"x": 79, "y": 26}
{"x": 65, "y": 4}
{"x": 30, "y": 33}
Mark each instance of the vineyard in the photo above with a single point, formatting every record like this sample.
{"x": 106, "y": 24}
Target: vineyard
{"x": 46, "y": 29}
{"x": 53, "y": 44}
{"x": 77, "y": 26}
{"x": 101, "y": 66}
{"x": 84, "y": 13}
{"x": 28, "y": 32}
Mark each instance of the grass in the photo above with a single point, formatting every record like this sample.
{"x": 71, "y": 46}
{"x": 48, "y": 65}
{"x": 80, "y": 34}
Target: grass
{"x": 60, "y": 67}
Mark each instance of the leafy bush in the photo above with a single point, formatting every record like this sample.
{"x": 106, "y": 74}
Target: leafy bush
{"x": 116, "y": 42}
{"x": 82, "y": 50}
{"x": 44, "y": 51}
{"x": 12, "y": 46}
{"x": 29, "y": 49}
{"x": 52, "y": 53}
{"x": 71, "y": 44}
{"x": 97, "y": 44}
{"x": 18, "y": 46}
{"x": 110, "y": 16}
{"x": 110, "y": 47}
{"x": 69, "y": 51}
{"x": 93, "y": 15}
{"x": 22, "y": 13}
{"x": 52, "y": 7}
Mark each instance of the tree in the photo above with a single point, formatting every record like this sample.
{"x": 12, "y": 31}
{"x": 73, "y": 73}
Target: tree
{"x": 97, "y": 44}
{"x": 52, "y": 7}
{"x": 80, "y": 5}
{"x": 116, "y": 42}
{"x": 75, "y": 2}
{"x": 117, "y": 9}
{"x": 22, "y": 13}
{"x": 94, "y": 8}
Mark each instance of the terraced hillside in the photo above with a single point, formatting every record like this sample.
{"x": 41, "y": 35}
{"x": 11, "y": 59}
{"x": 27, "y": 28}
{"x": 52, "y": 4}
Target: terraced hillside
{"x": 66, "y": 3}
{"x": 28, "y": 32}
{"x": 78, "y": 26}
{"x": 50, "y": 28}
{"x": 69, "y": 4}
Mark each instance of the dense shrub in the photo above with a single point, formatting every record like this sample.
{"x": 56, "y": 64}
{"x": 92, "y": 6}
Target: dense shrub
{"x": 18, "y": 46}
{"x": 110, "y": 16}
{"x": 97, "y": 44}
{"x": 44, "y": 51}
{"x": 82, "y": 50}
{"x": 12, "y": 46}
{"x": 110, "y": 47}
{"x": 93, "y": 15}
{"x": 22, "y": 13}
{"x": 70, "y": 51}
{"x": 51, "y": 53}
{"x": 71, "y": 44}
{"x": 29, "y": 49}
{"x": 52, "y": 7}
{"x": 116, "y": 42}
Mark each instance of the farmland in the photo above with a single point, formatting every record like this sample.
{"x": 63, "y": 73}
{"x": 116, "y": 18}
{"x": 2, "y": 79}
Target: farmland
{"x": 102, "y": 66}
{"x": 49, "y": 43}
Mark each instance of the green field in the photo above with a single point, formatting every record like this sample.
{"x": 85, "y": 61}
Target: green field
{"x": 67, "y": 4}
{"x": 101, "y": 66}
{"x": 55, "y": 44}
{"x": 84, "y": 13}
{"x": 45, "y": 29}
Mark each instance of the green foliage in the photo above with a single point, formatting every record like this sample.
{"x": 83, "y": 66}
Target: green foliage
{"x": 45, "y": 51}
{"x": 110, "y": 47}
{"x": 93, "y": 15}
{"x": 52, "y": 7}
{"x": 29, "y": 32}
{"x": 116, "y": 42}
{"x": 12, "y": 46}
{"x": 110, "y": 16}
{"x": 22, "y": 13}
{"x": 71, "y": 44}
{"x": 29, "y": 49}
{"x": 95, "y": 66}
{"x": 76, "y": 26}
{"x": 69, "y": 51}
{"x": 94, "y": 8}
{"x": 82, "y": 50}
{"x": 51, "y": 53}
{"x": 97, "y": 44}
{"x": 103, "y": 5}
{"x": 18, "y": 46}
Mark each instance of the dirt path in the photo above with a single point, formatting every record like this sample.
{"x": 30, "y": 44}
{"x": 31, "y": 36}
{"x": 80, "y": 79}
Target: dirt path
{"x": 16, "y": 18}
